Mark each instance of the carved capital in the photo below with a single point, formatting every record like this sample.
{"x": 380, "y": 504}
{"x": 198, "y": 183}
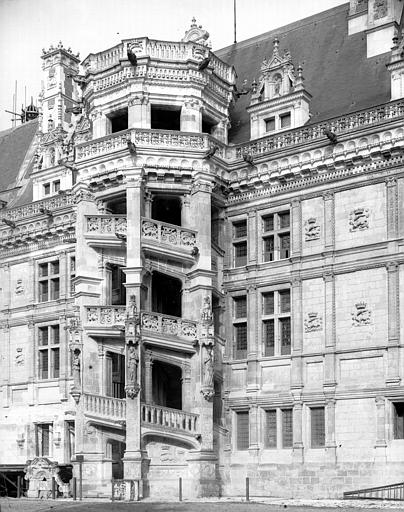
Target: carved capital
{"x": 392, "y": 266}
{"x": 380, "y": 401}
{"x": 391, "y": 181}
{"x": 328, "y": 276}
{"x": 328, "y": 196}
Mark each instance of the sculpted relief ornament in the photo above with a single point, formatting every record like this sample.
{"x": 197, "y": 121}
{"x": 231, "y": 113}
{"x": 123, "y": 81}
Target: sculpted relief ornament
{"x": 312, "y": 229}
{"x": 132, "y": 328}
{"x": 362, "y": 314}
{"x": 207, "y": 342}
{"x": 359, "y": 219}
{"x": 313, "y": 322}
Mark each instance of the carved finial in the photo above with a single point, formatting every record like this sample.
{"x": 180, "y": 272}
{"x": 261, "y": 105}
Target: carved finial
{"x": 300, "y": 71}
{"x": 193, "y": 22}
{"x": 196, "y": 34}
{"x": 276, "y": 45}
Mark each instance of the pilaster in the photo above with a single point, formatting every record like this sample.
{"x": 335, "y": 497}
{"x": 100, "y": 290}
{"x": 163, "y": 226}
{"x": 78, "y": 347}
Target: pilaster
{"x": 329, "y": 220}
{"x": 331, "y": 447}
{"x": 252, "y": 237}
{"x": 254, "y": 429}
{"x": 381, "y": 445}
{"x": 298, "y": 449}
{"x": 392, "y": 207}
{"x": 296, "y": 227}
{"x": 330, "y": 330}
{"x": 297, "y": 339}
{"x": 393, "y": 291}
{"x": 252, "y": 337}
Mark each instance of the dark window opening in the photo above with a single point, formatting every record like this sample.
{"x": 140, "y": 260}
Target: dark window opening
{"x": 398, "y": 412}
{"x": 167, "y": 387}
{"x": 115, "y": 375}
{"x": 116, "y": 451}
{"x": 166, "y": 294}
{"x": 165, "y": 117}
{"x": 167, "y": 209}
{"x": 270, "y": 124}
{"x": 286, "y": 120}
{"x": 240, "y": 341}
{"x": 118, "y": 291}
{"x": 207, "y": 125}
{"x": 317, "y": 427}
{"x": 117, "y": 206}
{"x": 270, "y": 431}
{"x": 119, "y": 120}
{"x": 243, "y": 430}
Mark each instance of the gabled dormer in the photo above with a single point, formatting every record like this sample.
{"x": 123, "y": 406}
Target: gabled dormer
{"x": 279, "y": 100}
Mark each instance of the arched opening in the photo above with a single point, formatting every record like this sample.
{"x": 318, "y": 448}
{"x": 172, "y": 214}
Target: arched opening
{"x": 167, "y": 386}
{"x": 166, "y": 294}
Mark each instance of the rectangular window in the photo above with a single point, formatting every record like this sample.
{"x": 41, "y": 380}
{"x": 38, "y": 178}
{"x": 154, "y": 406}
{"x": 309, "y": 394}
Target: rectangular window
{"x": 48, "y": 352}
{"x": 287, "y": 428}
{"x": 270, "y": 124}
{"x": 286, "y": 120}
{"x": 317, "y": 427}
{"x": 70, "y": 439}
{"x": 46, "y": 189}
{"x": 56, "y": 186}
{"x": 240, "y": 304}
{"x": 243, "y": 430}
{"x": 43, "y": 439}
{"x": 49, "y": 281}
{"x": 72, "y": 274}
{"x": 270, "y": 430}
{"x": 398, "y": 412}
{"x": 276, "y": 323}
{"x": 240, "y": 333}
{"x": 276, "y": 236}
{"x": 240, "y": 243}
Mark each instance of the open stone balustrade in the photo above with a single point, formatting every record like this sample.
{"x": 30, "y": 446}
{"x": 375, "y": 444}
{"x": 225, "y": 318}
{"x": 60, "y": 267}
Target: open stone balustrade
{"x": 157, "y": 416}
{"x": 162, "y": 232}
{"x": 29, "y": 210}
{"x": 155, "y": 323}
{"x": 339, "y": 125}
{"x": 102, "y": 146}
{"x": 106, "y": 224}
{"x": 104, "y": 406}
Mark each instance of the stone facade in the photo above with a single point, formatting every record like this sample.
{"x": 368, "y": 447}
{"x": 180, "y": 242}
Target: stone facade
{"x": 173, "y": 305}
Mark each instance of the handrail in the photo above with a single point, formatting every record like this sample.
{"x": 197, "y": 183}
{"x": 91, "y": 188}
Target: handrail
{"x": 393, "y": 492}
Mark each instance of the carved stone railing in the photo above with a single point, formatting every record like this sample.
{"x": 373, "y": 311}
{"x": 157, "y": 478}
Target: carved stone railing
{"x": 158, "y": 323}
{"x": 169, "y": 139}
{"x": 164, "y": 233}
{"x": 31, "y": 209}
{"x": 338, "y": 125}
{"x": 106, "y": 224}
{"x": 105, "y": 316}
{"x": 104, "y": 406}
{"x": 102, "y": 146}
{"x": 166, "y": 418}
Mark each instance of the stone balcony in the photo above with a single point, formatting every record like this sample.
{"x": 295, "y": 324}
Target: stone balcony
{"x": 146, "y": 139}
{"x": 157, "y": 237}
{"x": 175, "y": 241}
{"x": 108, "y": 410}
{"x": 156, "y": 328}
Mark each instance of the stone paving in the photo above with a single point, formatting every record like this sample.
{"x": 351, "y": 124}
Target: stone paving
{"x": 208, "y": 505}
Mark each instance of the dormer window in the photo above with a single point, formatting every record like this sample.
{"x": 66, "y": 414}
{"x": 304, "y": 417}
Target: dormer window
{"x": 56, "y": 186}
{"x": 46, "y": 189}
{"x": 270, "y": 124}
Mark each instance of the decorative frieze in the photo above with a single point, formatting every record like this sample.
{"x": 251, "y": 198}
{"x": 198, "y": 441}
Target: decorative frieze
{"x": 162, "y": 232}
{"x": 359, "y": 219}
{"x": 380, "y": 9}
{"x": 361, "y": 316}
{"x": 313, "y": 322}
{"x": 311, "y": 229}
{"x": 169, "y": 325}
{"x": 106, "y": 224}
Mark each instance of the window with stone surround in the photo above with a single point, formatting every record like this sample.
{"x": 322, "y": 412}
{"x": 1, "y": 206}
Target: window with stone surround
{"x": 242, "y": 430}
{"x": 70, "y": 440}
{"x": 276, "y": 236}
{"x": 278, "y": 428}
{"x": 240, "y": 243}
{"x": 48, "y": 352}
{"x": 398, "y": 420}
{"x": 240, "y": 327}
{"x": 317, "y": 427}
{"x": 43, "y": 439}
{"x": 48, "y": 281}
{"x": 276, "y": 323}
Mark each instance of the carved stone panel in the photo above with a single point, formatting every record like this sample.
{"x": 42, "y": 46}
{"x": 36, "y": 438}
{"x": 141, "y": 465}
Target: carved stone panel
{"x": 362, "y": 314}
{"x": 313, "y": 322}
{"x": 19, "y": 357}
{"x": 380, "y": 9}
{"x": 359, "y": 219}
{"x": 312, "y": 229}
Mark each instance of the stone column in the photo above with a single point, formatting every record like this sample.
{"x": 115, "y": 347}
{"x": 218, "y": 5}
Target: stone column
{"x": 298, "y": 448}
{"x": 100, "y": 121}
{"x": 392, "y": 207}
{"x": 139, "y": 112}
{"x": 329, "y": 220}
{"x": 102, "y": 355}
{"x": 330, "y": 334}
{"x": 148, "y": 201}
{"x": 331, "y": 448}
{"x": 393, "y": 355}
{"x": 148, "y": 378}
{"x": 296, "y": 227}
{"x": 297, "y": 340}
{"x": 186, "y": 220}
{"x": 381, "y": 445}
{"x": 191, "y": 116}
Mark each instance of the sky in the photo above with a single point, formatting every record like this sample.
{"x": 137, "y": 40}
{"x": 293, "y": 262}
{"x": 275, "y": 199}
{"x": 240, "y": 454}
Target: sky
{"x": 89, "y": 26}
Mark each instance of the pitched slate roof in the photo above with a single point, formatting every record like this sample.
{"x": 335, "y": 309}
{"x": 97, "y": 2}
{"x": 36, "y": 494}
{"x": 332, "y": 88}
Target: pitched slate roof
{"x": 338, "y": 74}
{"x": 14, "y": 144}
